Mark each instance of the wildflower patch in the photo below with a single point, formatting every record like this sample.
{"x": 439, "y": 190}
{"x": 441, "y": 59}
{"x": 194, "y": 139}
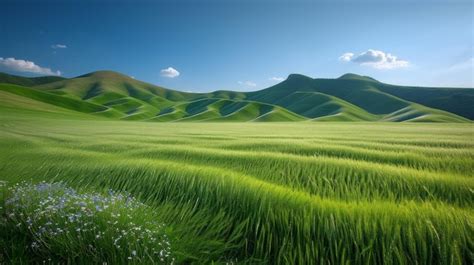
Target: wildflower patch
{"x": 61, "y": 224}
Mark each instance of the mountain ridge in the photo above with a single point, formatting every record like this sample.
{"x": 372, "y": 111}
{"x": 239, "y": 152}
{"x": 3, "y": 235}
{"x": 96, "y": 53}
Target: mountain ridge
{"x": 350, "y": 97}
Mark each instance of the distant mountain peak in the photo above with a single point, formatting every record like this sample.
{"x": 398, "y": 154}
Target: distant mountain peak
{"x": 106, "y": 74}
{"x": 357, "y": 77}
{"x": 298, "y": 77}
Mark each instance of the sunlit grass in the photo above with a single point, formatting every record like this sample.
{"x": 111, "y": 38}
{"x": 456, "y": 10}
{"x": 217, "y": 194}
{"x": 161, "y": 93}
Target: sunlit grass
{"x": 270, "y": 193}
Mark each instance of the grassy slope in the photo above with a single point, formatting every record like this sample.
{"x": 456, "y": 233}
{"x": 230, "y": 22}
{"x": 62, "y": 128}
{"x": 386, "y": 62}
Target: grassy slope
{"x": 15, "y": 104}
{"x": 60, "y": 101}
{"x": 419, "y": 113}
{"x": 93, "y": 84}
{"x": 358, "y": 92}
{"x": 277, "y": 193}
{"x": 214, "y": 109}
{"x": 322, "y": 106}
{"x": 28, "y": 81}
{"x": 348, "y": 98}
{"x": 140, "y": 101}
{"x": 455, "y": 100}
{"x": 135, "y": 100}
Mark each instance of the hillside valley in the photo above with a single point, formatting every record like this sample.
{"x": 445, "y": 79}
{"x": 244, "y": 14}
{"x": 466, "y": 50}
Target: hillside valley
{"x": 351, "y": 97}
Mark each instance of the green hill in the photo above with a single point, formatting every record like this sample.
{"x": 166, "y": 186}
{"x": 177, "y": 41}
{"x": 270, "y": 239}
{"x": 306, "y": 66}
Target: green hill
{"x": 419, "y": 113}
{"x": 315, "y": 98}
{"x": 348, "y": 98}
{"x": 28, "y": 81}
{"x": 351, "y": 76}
{"x": 361, "y": 93}
{"x": 456, "y": 100}
{"x": 213, "y": 109}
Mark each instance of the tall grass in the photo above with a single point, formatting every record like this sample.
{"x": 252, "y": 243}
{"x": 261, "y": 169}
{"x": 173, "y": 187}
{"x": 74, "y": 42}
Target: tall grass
{"x": 272, "y": 193}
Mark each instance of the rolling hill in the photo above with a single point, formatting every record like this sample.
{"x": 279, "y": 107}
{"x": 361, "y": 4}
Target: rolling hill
{"x": 28, "y": 81}
{"x": 351, "y": 97}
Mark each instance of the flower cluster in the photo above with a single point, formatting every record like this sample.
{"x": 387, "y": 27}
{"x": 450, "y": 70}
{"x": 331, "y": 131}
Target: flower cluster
{"x": 113, "y": 227}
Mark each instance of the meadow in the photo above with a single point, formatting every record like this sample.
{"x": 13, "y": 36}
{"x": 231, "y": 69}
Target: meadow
{"x": 246, "y": 193}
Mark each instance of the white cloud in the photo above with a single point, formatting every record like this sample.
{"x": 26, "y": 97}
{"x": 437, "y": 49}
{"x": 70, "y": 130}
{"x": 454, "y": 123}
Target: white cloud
{"x": 276, "y": 79}
{"x": 169, "y": 72}
{"x": 26, "y": 66}
{"x": 247, "y": 83}
{"x": 376, "y": 59}
{"x": 346, "y": 57}
{"x": 58, "y": 46}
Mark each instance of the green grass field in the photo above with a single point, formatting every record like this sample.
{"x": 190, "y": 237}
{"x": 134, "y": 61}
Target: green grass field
{"x": 243, "y": 193}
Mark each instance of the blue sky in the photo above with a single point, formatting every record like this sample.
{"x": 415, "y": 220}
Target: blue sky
{"x": 241, "y": 45}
